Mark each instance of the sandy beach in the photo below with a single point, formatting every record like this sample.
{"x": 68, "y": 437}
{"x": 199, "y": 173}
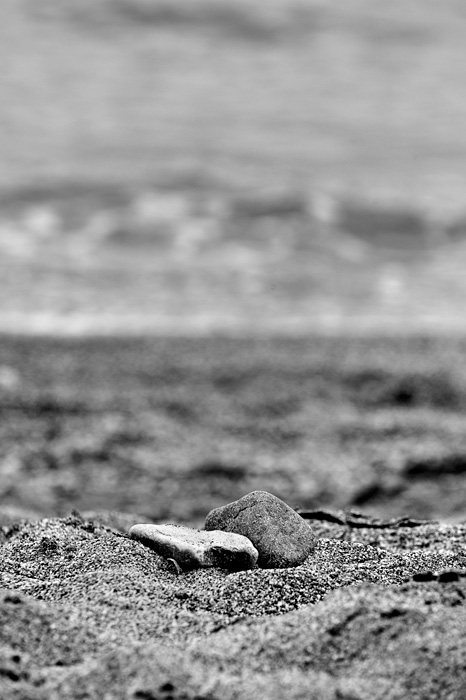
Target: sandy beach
{"x": 377, "y": 611}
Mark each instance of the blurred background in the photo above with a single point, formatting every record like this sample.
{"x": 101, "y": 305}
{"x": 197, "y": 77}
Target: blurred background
{"x": 202, "y": 165}
{"x": 274, "y": 196}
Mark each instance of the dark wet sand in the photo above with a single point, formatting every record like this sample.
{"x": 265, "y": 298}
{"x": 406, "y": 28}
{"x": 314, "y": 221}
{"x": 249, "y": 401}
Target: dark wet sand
{"x": 86, "y": 612}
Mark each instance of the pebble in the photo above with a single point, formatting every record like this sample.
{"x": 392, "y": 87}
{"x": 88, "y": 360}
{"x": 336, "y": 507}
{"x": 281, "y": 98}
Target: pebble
{"x": 192, "y": 549}
{"x": 279, "y": 534}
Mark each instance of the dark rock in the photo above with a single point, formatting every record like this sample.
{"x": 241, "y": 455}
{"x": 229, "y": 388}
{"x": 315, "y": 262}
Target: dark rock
{"x": 279, "y": 534}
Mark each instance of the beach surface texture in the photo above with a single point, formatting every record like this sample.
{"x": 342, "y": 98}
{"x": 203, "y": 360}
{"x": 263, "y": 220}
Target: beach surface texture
{"x": 377, "y": 610}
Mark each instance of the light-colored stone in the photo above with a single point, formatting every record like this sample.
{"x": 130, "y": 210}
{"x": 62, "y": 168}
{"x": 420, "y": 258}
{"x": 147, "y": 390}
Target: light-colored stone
{"x": 279, "y": 534}
{"x": 197, "y": 548}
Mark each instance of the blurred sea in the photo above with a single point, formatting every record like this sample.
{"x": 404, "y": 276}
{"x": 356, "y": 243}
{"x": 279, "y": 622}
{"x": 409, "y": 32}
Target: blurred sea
{"x": 197, "y": 166}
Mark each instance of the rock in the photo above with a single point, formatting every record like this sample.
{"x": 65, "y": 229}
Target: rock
{"x": 193, "y": 548}
{"x": 279, "y": 534}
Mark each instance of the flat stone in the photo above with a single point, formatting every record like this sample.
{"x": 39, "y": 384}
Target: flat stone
{"x": 196, "y": 548}
{"x": 279, "y": 534}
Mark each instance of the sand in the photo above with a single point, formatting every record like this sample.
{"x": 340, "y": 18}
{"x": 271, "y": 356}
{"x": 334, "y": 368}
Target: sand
{"x": 85, "y": 612}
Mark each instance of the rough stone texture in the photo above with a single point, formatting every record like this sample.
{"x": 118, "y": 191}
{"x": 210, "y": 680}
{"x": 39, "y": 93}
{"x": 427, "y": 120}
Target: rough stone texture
{"x": 193, "y": 549}
{"x": 279, "y": 534}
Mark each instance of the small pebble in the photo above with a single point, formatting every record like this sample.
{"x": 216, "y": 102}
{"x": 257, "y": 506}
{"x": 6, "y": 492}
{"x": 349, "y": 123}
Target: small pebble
{"x": 192, "y": 549}
{"x": 279, "y": 534}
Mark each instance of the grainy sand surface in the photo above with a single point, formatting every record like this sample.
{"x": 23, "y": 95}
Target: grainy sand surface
{"x": 86, "y": 612}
